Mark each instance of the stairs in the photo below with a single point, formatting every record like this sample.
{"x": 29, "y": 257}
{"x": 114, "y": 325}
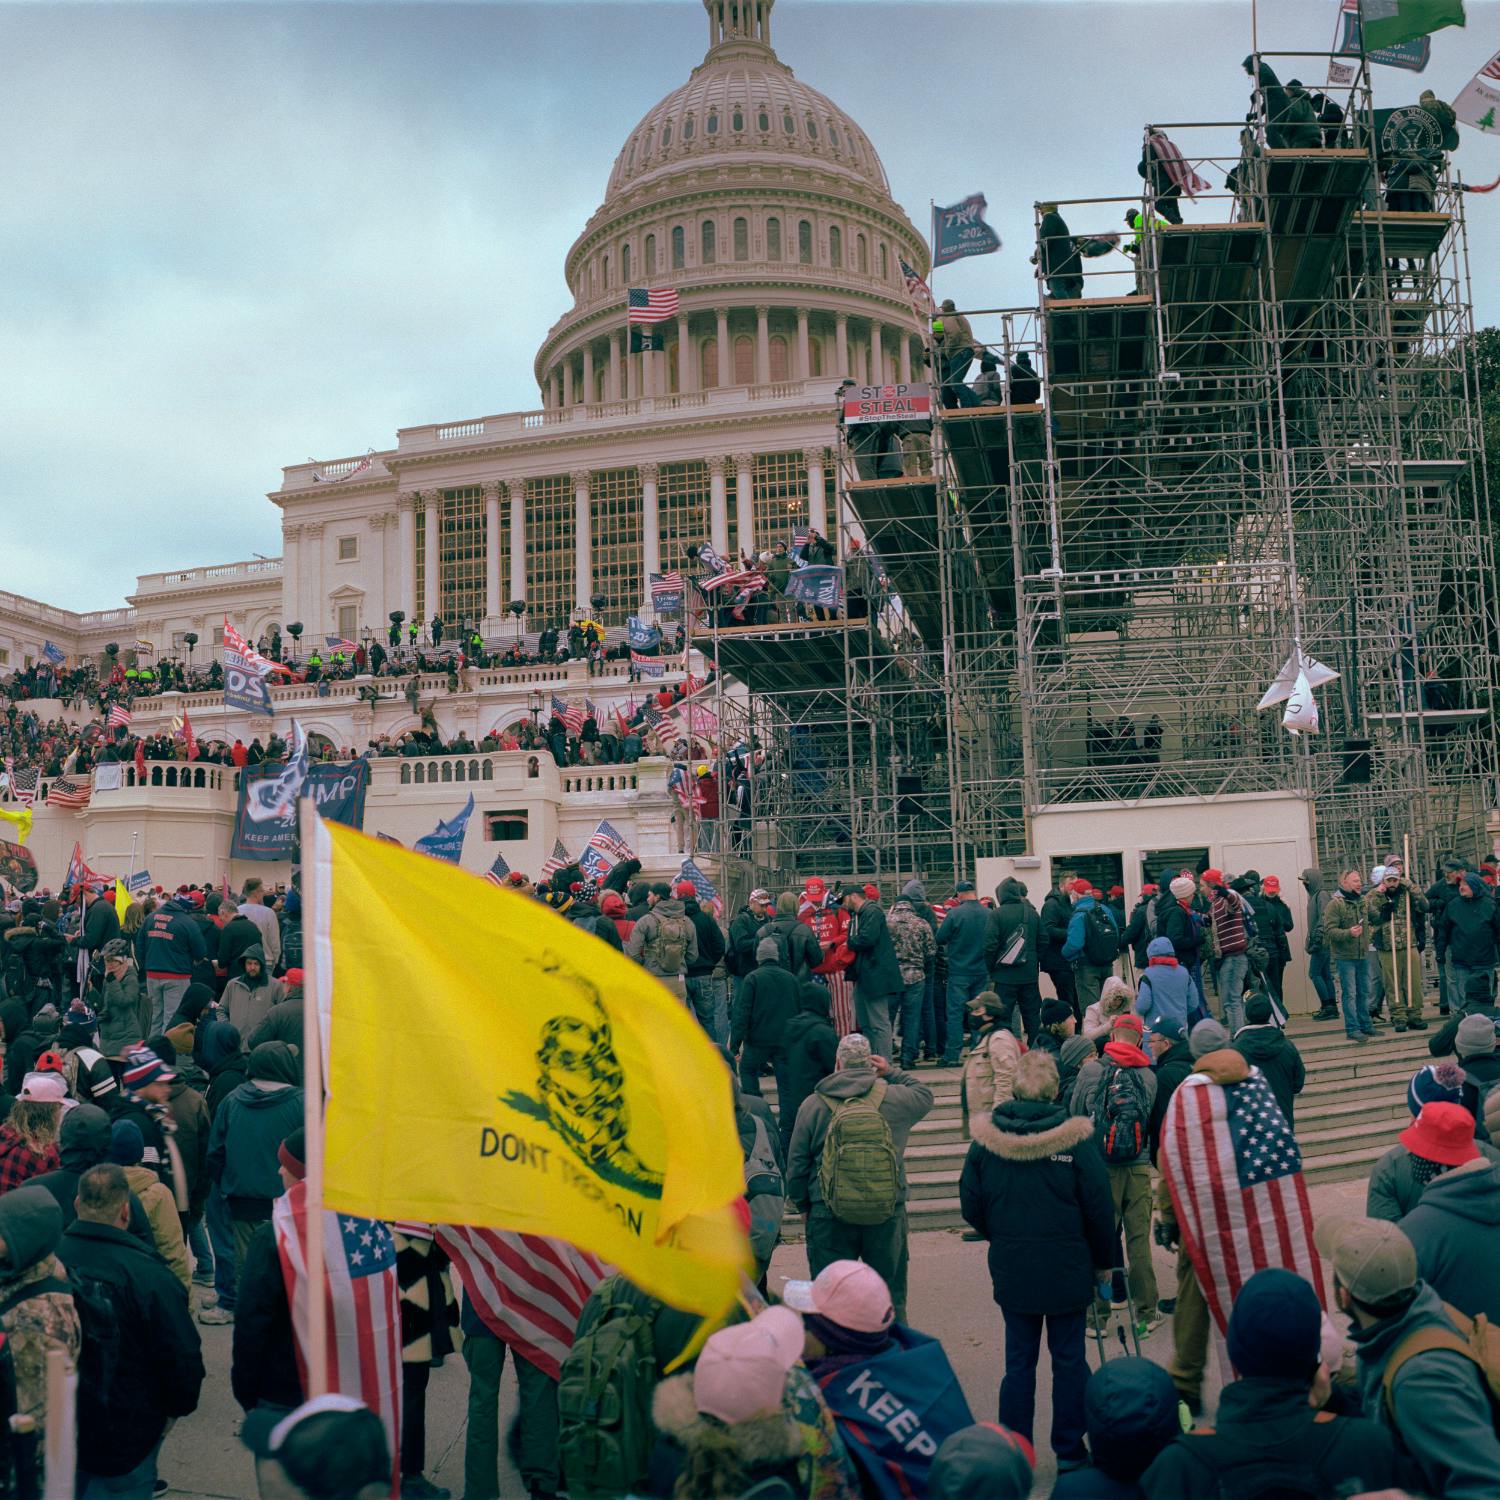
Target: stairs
{"x": 1348, "y": 1115}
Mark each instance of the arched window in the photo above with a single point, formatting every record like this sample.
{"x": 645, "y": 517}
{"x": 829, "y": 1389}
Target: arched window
{"x": 625, "y": 263}
{"x": 630, "y": 155}
{"x": 737, "y": 119}
{"x": 708, "y": 363}
{"x": 804, "y": 242}
{"x": 812, "y": 128}
{"x": 835, "y": 247}
{"x": 788, "y": 124}
{"x": 744, "y": 360}
{"x": 885, "y": 263}
{"x": 712, "y": 127}
{"x": 666, "y": 135}
{"x": 604, "y": 268}
{"x": 651, "y": 254}
{"x": 764, "y": 121}
{"x": 710, "y": 242}
{"x": 833, "y": 136}
{"x": 862, "y": 254}
{"x": 679, "y": 247}
{"x": 815, "y": 356}
{"x": 781, "y": 358}
{"x": 773, "y": 239}
{"x": 742, "y": 239}
{"x": 687, "y": 128}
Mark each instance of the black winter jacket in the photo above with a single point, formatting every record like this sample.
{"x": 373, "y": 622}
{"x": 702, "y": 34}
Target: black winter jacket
{"x": 811, "y": 1045}
{"x": 160, "y": 1366}
{"x": 1467, "y": 930}
{"x": 1013, "y": 913}
{"x": 803, "y": 950}
{"x": 1035, "y": 1186}
{"x": 1171, "y": 1068}
{"x": 764, "y": 1002}
{"x": 875, "y": 969}
{"x": 710, "y": 940}
{"x": 1277, "y": 1058}
{"x": 264, "y": 1363}
{"x": 1057, "y": 912}
{"x": 1173, "y": 922}
{"x": 744, "y": 929}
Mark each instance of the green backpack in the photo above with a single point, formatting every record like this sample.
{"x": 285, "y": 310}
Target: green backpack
{"x": 604, "y": 1392}
{"x": 859, "y": 1172}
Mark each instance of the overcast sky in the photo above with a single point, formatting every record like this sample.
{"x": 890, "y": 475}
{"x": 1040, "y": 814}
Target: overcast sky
{"x": 235, "y": 236}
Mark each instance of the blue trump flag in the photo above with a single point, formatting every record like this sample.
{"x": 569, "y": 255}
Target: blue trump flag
{"x": 821, "y": 584}
{"x": 895, "y": 1410}
{"x": 52, "y": 653}
{"x": 959, "y": 231}
{"x": 446, "y": 841}
{"x": 642, "y": 637}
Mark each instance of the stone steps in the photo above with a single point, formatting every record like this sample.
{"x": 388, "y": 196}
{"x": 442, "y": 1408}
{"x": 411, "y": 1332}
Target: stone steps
{"x": 1348, "y": 1115}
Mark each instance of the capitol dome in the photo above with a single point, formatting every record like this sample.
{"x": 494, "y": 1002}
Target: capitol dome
{"x": 765, "y": 207}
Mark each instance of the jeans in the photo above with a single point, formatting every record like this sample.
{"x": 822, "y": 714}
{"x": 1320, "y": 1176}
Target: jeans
{"x": 961, "y": 989}
{"x": 1070, "y": 1373}
{"x": 221, "y": 1236}
{"x": 165, "y": 996}
{"x": 1067, "y": 991}
{"x": 1354, "y": 987}
{"x": 872, "y": 1014}
{"x": 1025, "y": 995}
{"x": 1231, "y": 979}
{"x": 882, "y": 1246}
{"x": 753, "y": 1059}
{"x": 138, "y": 1484}
{"x": 1320, "y": 971}
{"x": 203, "y": 1255}
{"x": 704, "y": 993}
{"x": 485, "y": 1358}
{"x": 1460, "y": 986}
{"x": 911, "y": 1021}
{"x": 414, "y": 1378}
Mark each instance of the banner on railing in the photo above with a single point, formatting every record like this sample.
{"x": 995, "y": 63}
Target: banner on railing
{"x": 109, "y": 776}
{"x": 337, "y": 789}
{"x": 909, "y": 402}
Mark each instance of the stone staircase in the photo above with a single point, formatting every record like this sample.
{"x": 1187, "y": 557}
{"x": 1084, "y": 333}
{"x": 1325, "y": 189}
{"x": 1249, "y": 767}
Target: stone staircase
{"x": 1348, "y": 1114}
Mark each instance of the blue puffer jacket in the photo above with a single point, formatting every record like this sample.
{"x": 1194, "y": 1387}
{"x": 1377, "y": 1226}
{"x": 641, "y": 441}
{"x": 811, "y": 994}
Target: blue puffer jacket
{"x": 1165, "y": 996}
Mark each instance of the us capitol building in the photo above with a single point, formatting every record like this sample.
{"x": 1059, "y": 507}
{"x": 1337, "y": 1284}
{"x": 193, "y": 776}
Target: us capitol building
{"x": 767, "y": 209}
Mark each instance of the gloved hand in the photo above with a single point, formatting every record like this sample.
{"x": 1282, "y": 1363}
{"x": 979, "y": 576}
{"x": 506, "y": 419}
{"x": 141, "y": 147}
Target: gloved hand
{"x": 1165, "y": 1234}
{"x": 1104, "y": 1289}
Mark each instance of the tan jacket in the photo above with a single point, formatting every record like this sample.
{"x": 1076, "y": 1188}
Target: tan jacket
{"x": 990, "y": 1073}
{"x": 166, "y": 1228}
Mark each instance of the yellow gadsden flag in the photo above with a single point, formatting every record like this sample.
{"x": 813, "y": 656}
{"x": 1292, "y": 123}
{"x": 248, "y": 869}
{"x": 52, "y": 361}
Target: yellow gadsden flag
{"x": 123, "y": 899}
{"x": 21, "y": 818}
{"x": 491, "y": 1064}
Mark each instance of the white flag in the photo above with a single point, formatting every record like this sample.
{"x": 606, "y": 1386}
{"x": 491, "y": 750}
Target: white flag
{"x": 1301, "y": 716}
{"x": 1479, "y": 104}
{"x": 1286, "y": 679}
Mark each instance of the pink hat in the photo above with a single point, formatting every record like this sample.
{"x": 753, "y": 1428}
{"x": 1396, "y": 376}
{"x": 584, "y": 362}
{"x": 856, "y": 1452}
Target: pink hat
{"x": 742, "y": 1370}
{"x": 847, "y": 1292}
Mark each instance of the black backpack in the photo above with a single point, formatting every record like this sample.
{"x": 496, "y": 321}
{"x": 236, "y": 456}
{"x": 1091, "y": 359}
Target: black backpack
{"x": 1101, "y": 939}
{"x": 1244, "y": 1470}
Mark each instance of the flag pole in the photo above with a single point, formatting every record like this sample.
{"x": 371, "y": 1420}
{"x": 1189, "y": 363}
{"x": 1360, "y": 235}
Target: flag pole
{"x": 315, "y": 874}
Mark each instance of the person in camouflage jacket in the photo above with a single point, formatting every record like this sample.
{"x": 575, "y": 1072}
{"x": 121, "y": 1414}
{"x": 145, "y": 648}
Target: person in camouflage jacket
{"x": 916, "y": 954}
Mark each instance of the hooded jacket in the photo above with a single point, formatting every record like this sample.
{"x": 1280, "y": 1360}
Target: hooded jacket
{"x": 161, "y": 1213}
{"x": 811, "y": 1046}
{"x": 1056, "y": 913}
{"x": 120, "y": 1015}
{"x": 647, "y": 929}
{"x": 1165, "y": 995}
{"x": 83, "y": 1142}
{"x": 1035, "y": 1186}
{"x": 226, "y": 1062}
{"x": 1278, "y": 1059}
{"x": 1170, "y": 1068}
{"x": 1467, "y": 929}
{"x": 1175, "y": 921}
{"x": 990, "y": 1072}
{"x": 1455, "y": 1229}
{"x": 710, "y": 939}
{"x": 1317, "y": 904}
{"x": 171, "y": 942}
{"x": 906, "y": 1101}
{"x": 912, "y": 940}
{"x": 1345, "y": 912}
{"x": 1443, "y": 1414}
{"x": 587, "y": 915}
{"x": 803, "y": 951}
{"x": 875, "y": 969}
{"x": 1394, "y": 1191}
{"x": 1131, "y": 1407}
{"x": 24, "y": 1047}
{"x": 190, "y": 1114}
{"x": 31, "y": 1226}
{"x": 1091, "y": 1079}
{"x": 962, "y": 932}
{"x": 247, "y": 1002}
{"x": 764, "y": 1002}
{"x": 235, "y": 936}
{"x": 1074, "y": 950}
{"x": 282, "y": 1023}
{"x": 1013, "y": 913}
{"x": 249, "y": 1128}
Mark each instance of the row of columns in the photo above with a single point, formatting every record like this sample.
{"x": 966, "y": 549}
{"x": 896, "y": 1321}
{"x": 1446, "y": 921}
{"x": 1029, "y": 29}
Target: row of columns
{"x": 629, "y": 377}
{"x": 513, "y": 494}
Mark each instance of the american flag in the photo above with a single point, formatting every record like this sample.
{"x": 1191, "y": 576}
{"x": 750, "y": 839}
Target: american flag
{"x": 24, "y": 783}
{"x": 653, "y": 306}
{"x": 667, "y": 590}
{"x": 918, "y": 293}
{"x": 652, "y": 714}
{"x": 571, "y": 716}
{"x": 841, "y": 1002}
{"x": 249, "y": 659}
{"x": 703, "y": 887}
{"x": 677, "y": 784}
{"x": 363, "y": 1303}
{"x": 742, "y": 579}
{"x": 528, "y": 1289}
{"x": 1235, "y": 1175}
{"x": 608, "y": 839}
{"x": 557, "y": 860}
{"x": 119, "y": 717}
{"x": 647, "y": 666}
{"x": 144, "y": 648}
{"x": 340, "y": 643}
{"x": 69, "y": 794}
{"x": 1177, "y": 169}
{"x": 591, "y": 710}
{"x": 498, "y": 871}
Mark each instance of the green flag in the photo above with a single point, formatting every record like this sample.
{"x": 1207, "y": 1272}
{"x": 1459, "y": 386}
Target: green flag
{"x": 1387, "y": 23}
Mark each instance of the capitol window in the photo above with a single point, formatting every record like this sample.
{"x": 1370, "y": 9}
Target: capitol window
{"x": 812, "y": 128}
{"x": 773, "y": 239}
{"x": 708, "y": 363}
{"x": 836, "y": 247}
{"x": 604, "y": 265}
{"x": 742, "y": 239}
{"x": 862, "y": 254}
{"x": 687, "y": 128}
{"x": 804, "y": 242}
{"x": 781, "y": 357}
{"x": 713, "y": 122}
{"x": 679, "y": 247}
{"x": 651, "y": 254}
{"x": 744, "y": 360}
{"x": 625, "y": 264}
{"x": 666, "y": 135}
{"x": 764, "y": 121}
{"x": 885, "y": 264}
{"x": 507, "y": 827}
{"x": 710, "y": 240}
{"x": 833, "y": 137}
{"x": 348, "y": 548}
{"x": 737, "y": 119}
{"x": 788, "y": 124}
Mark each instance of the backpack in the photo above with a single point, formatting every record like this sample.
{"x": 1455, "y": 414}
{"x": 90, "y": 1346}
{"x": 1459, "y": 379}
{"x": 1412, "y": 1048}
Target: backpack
{"x": 859, "y": 1172}
{"x": 99, "y": 1350}
{"x": 73, "y": 1060}
{"x": 1477, "y": 1339}
{"x": 1101, "y": 940}
{"x": 1120, "y": 1114}
{"x": 604, "y": 1391}
{"x": 1244, "y": 1470}
{"x": 1150, "y": 921}
{"x": 666, "y": 949}
{"x": 783, "y": 940}
{"x": 765, "y": 1192}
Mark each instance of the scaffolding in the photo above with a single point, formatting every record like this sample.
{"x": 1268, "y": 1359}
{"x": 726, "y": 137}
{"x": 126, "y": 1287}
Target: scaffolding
{"x": 1258, "y": 434}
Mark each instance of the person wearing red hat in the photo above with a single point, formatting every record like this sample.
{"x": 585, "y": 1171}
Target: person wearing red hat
{"x": 1281, "y": 926}
{"x": 1228, "y": 912}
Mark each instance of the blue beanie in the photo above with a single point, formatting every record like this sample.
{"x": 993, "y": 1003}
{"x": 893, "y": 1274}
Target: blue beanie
{"x": 1276, "y": 1326}
{"x": 1437, "y": 1083}
{"x": 127, "y": 1146}
{"x": 1160, "y": 947}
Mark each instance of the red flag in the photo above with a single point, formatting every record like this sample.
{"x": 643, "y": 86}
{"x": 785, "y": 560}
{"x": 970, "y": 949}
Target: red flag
{"x": 140, "y": 762}
{"x": 364, "y": 1304}
{"x": 528, "y": 1289}
{"x": 1234, "y": 1171}
{"x": 188, "y": 738}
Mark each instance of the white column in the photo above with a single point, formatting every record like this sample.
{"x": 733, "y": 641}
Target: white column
{"x": 588, "y": 372}
{"x": 430, "y": 581}
{"x": 291, "y": 572}
{"x": 375, "y": 598}
{"x": 841, "y": 345}
{"x": 650, "y": 526}
{"x": 762, "y": 345}
{"x": 554, "y": 386}
{"x": 406, "y": 548}
{"x": 726, "y": 361}
{"x": 616, "y": 390}
{"x": 744, "y": 478}
{"x": 312, "y": 576}
{"x": 718, "y": 506}
{"x": 492, "y": 603}
{"x": 817, "y": 500}
{"x": 877, "y": 356}
{"x": 685, "y": 374}
{"x": 583, "y": 538}
{"x": 804, "y": 353}
{"x": 517, "y": 539}
{"x": 632, "y": 374}
{"x": 905, "y": 366}
{"x": 567, "y": 377}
